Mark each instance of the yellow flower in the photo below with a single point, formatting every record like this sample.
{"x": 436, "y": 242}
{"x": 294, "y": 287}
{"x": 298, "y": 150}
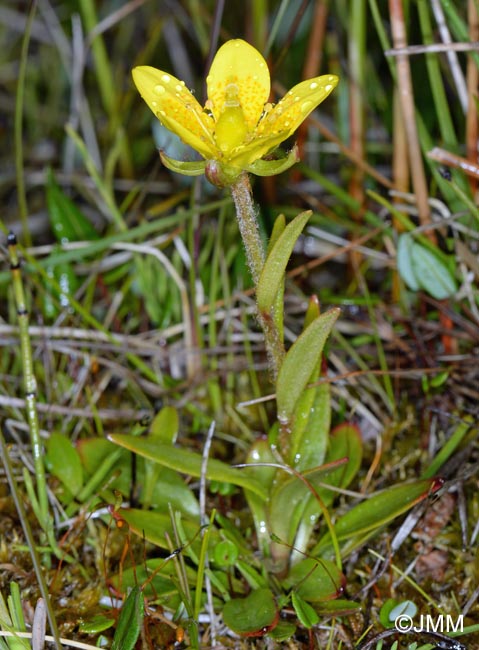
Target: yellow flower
{"x": 237, "y": 125}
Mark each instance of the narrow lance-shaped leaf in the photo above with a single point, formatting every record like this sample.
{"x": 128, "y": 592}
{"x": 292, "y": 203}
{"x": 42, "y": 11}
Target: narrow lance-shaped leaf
{"x": 187, "y": 462}
{"x": 432, "y": 273}
{"x": 378, "y": 510}
{"x": 130, "y": 621}
{"x": 300, "y": 362}
{"x": 277, "y": 308}
{"x": 67, "y": 221}
{"x": 276, "y": 262}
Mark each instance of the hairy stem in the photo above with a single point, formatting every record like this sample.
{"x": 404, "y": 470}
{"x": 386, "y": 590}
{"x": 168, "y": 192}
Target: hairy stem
{"x": 248, "y": 225}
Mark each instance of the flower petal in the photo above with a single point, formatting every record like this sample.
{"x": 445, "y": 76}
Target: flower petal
{"x": 256, "y": 148}
{"x": 239, "y": 64}
{"x": 176, "y": 108}
{"x": 295, "y": 106}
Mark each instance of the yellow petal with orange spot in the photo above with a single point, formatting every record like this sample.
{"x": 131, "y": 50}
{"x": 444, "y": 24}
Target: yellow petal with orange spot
{"x": 176, "y": 108}
{"x": 238, "y": 69}
{"x": 295, "y": 106}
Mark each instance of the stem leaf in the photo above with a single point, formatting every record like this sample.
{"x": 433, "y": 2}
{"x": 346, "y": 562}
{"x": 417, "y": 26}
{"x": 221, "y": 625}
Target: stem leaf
{"x": 300, "y": 362}
{"x": 273, "y": 271}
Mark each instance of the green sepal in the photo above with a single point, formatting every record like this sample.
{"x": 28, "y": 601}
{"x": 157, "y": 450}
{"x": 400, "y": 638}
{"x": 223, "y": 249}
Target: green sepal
{"x": 187, "y": 168}
{"x": 272, "y": 167}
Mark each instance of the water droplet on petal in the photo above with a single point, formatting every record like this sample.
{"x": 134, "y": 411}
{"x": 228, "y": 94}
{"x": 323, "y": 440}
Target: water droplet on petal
{"x": 328, "y": 88}
{"x": 154, "y": 104}
{"x": 159, "y": 89}
{"x": 306, "y": 106}
{"x": 166, "y": 78}
{"x": 178, "y": 87}
{"x": 313, "y": 85}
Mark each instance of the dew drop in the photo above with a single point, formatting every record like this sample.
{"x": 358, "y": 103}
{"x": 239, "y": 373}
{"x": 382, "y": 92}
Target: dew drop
{"x": 159, "y": 89}
{"x": 166, "y": 78}
{"x": 178, "y": 87}
{"x": 306, "y": 106}
{"x": 162, "y": 113}
{"x": 328, "y": 88}
{"x": 313, "y": 85}
{"x": 154, "y": 104}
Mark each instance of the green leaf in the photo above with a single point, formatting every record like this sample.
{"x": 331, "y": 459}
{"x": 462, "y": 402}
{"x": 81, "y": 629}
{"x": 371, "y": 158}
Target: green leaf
{"x": 130, "y": 621}
{"x": 316, "y": 580}
{"x": 225, "y": 553}
{"x": 310, "y": 434}
{"x": 96, "y": 624}
{"x": 338, "y": 607}
{"x": 165, "y": 425}
{"x": 168, "y": 488}
{"x": 68, "y": 222}
{"x": 306, "y": 614}
{"x": 345, "y": 442}
{"x": 273, "y": 271}
{"x": 282, "y": 632}
{"x": 252, "y": 576}
{"x": 65, "y": 462}
{"x": 385, "y": 610}
{"x": 187, "y": 462}
{"x": 432, "y": 273}
{"x": 300, "y": 362}
{"x": 254, "y": 615}
{"x": 404, "y": 261}
{"x": 260, "y": 452}
{"x": 156, "y": 527}
{"x": 421, "y": 268}
{"x": 278, "y": 307}
{"x": 377, "y": 510}
{"x": 289, "y": 499}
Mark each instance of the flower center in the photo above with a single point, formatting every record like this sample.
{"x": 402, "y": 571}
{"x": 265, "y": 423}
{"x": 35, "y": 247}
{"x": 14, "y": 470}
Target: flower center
{"x": 230, "y": 129}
